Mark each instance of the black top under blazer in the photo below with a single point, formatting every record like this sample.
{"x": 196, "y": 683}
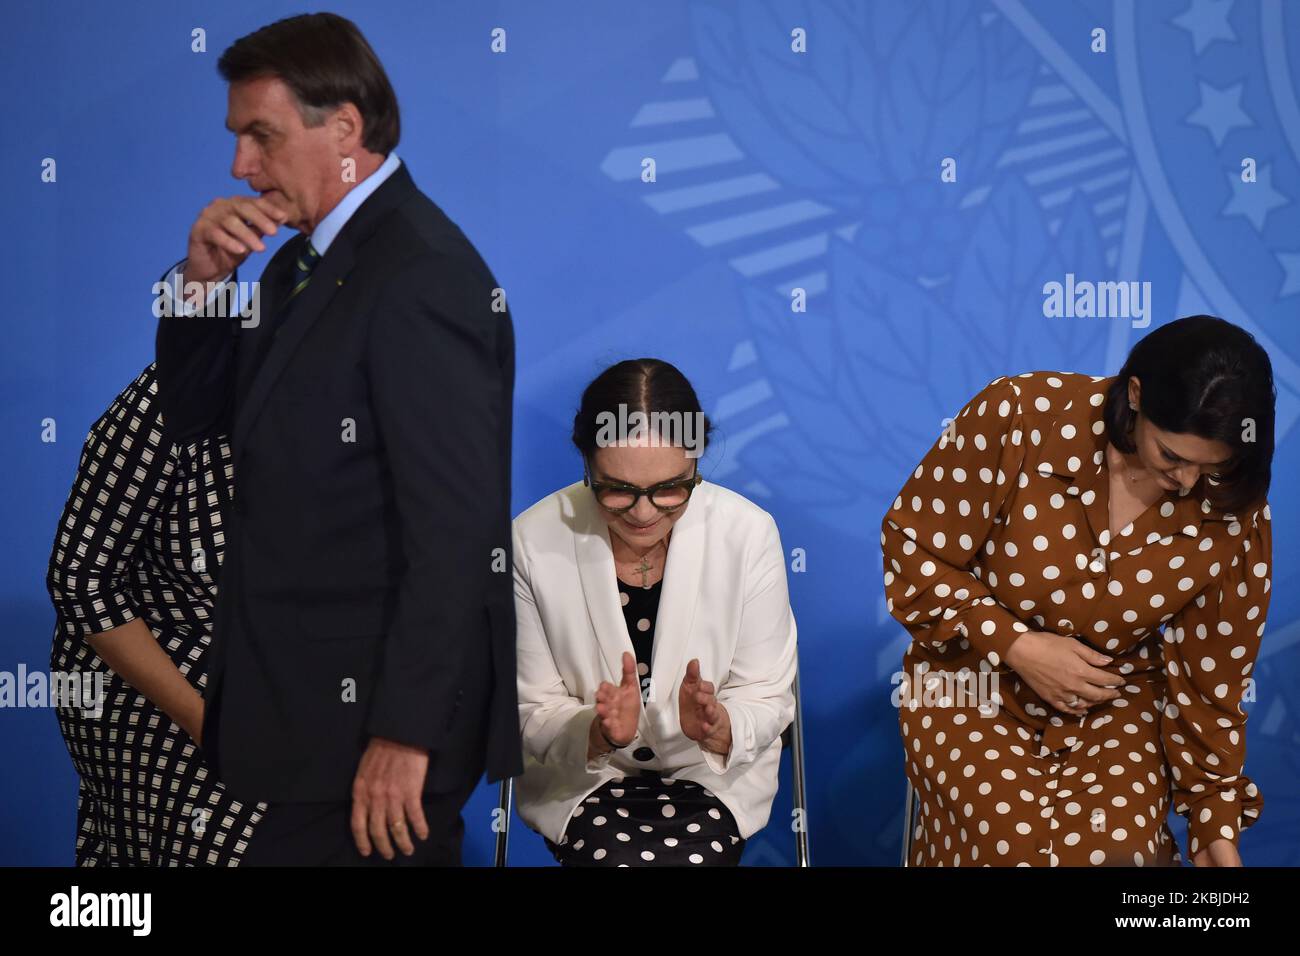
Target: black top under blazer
{"x": 366, "y": 586}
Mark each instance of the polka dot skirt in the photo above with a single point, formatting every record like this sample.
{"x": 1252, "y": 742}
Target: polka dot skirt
{"x": 650, "y": 821}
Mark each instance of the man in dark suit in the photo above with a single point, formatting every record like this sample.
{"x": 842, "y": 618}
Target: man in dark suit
{"x": 362, "y": 672}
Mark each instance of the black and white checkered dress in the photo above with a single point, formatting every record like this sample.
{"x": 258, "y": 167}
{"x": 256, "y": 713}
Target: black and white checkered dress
{"x": 141, "y": 536}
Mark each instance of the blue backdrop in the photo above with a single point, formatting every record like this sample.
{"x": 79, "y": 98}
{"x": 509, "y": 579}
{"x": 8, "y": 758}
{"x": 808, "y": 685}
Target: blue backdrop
{"x": 1114, "y": 155}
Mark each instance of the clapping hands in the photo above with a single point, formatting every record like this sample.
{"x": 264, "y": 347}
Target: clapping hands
{"x": 703, "y": 718}
{"x": 618, "y": 710}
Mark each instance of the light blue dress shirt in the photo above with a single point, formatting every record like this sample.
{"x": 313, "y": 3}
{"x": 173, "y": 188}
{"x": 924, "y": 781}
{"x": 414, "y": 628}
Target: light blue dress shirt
{"x": 321, "y": 237}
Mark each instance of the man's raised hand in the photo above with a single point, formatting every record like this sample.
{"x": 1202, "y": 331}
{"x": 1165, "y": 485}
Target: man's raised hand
{"x": 226, "y": 233}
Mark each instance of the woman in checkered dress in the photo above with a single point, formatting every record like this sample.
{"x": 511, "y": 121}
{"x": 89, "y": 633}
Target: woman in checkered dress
{"x": 134, "y": 558}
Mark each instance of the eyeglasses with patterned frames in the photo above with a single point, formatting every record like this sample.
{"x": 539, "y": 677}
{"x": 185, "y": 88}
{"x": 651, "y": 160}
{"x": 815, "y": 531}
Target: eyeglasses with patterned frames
{"x": 619, "y": 498}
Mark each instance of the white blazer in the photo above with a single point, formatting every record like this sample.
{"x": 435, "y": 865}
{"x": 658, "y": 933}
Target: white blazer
{"x": 724, "y": 599}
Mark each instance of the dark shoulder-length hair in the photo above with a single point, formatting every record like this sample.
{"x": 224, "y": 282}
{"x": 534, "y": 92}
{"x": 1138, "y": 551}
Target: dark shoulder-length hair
{"x": 646, "y": 385}
{"x": 326, "y": 62}
{"x": 1204, "y": 376}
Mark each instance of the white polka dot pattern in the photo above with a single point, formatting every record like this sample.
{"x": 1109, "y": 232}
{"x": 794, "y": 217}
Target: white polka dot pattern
{"x": 1004, "y": 527}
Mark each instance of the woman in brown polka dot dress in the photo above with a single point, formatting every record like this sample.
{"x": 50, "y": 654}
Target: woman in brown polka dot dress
{"x": 1089, "y": 559}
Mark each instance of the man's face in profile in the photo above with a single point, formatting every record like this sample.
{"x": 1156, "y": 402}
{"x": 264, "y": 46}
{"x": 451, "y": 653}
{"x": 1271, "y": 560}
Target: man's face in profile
{"x": 280, "y": 158}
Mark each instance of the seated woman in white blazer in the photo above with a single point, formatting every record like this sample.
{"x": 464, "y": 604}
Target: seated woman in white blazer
{"x": 656, "y": 646}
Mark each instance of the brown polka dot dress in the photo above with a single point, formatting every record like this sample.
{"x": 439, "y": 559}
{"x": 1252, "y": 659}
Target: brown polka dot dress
{"x": 1003, "y": 528}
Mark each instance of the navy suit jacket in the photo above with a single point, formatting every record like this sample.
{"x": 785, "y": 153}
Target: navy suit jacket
{"x": 366, "y": 587}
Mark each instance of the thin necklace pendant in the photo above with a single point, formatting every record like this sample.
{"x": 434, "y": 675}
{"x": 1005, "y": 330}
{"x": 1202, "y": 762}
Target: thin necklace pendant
{"x": 1129, "y": 471}
{"x": 645, "y": 567}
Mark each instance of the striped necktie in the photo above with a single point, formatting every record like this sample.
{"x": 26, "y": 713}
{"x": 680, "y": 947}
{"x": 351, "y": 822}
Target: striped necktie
{"x": 302, "y": 269}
